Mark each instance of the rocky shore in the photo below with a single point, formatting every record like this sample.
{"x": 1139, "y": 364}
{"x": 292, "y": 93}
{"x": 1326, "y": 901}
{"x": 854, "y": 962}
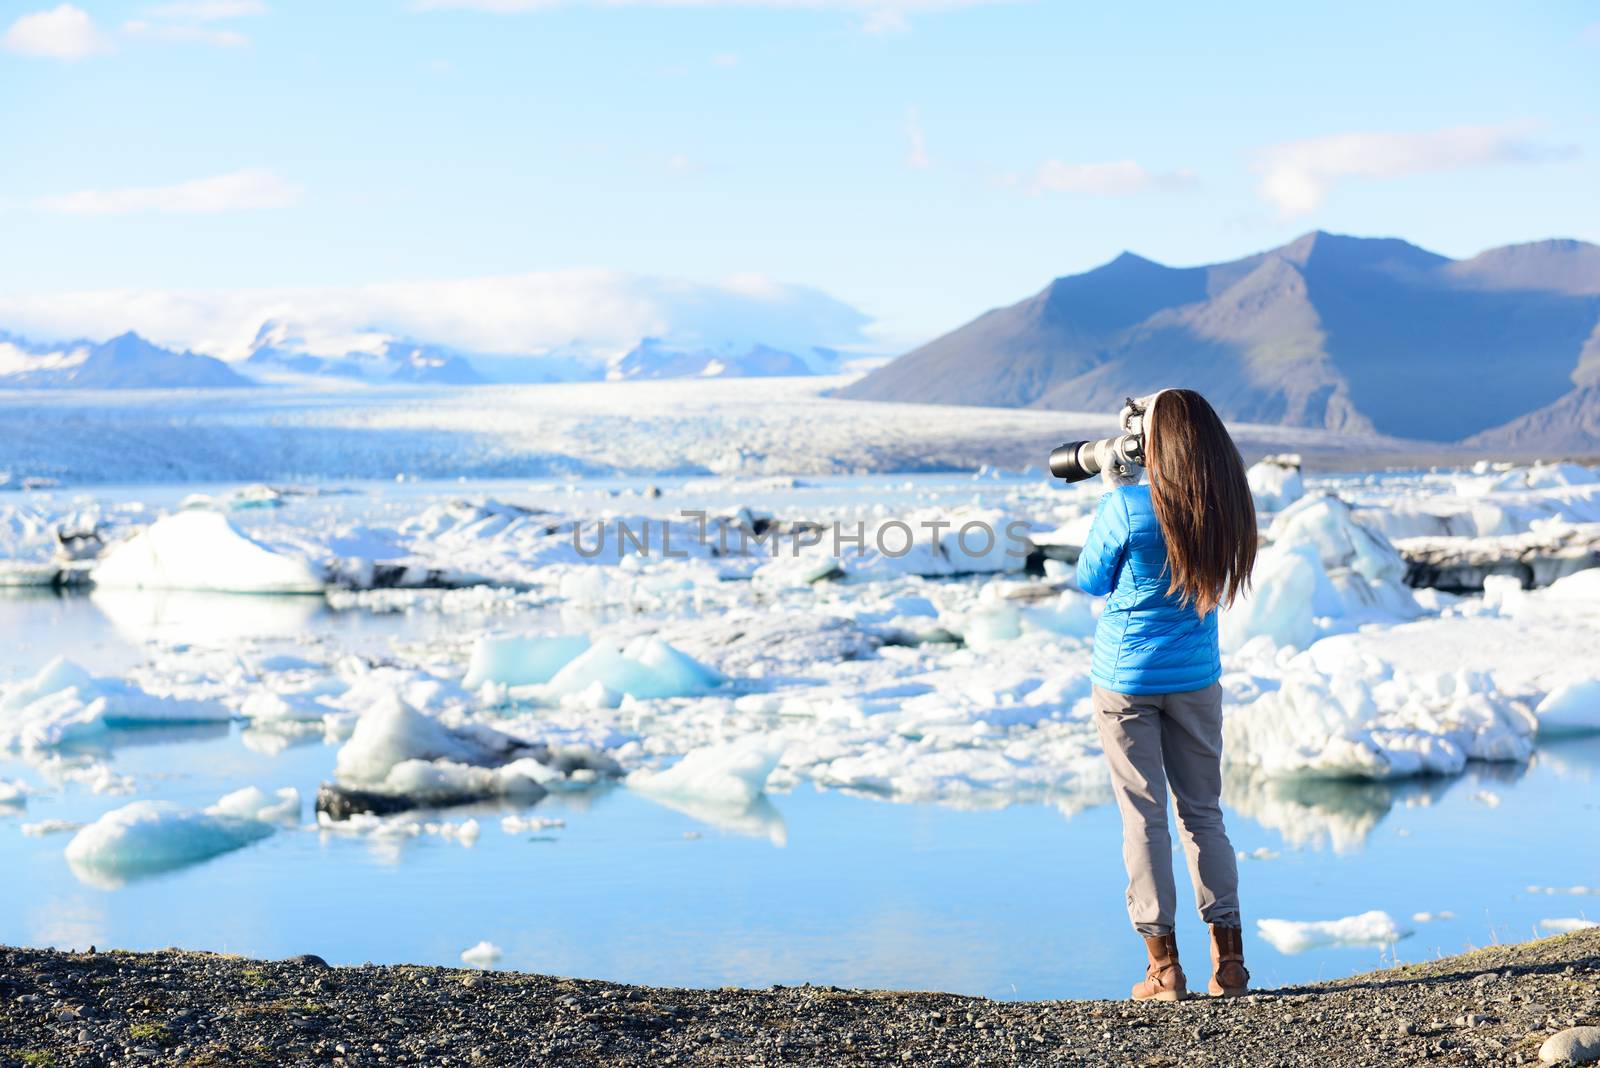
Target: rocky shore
{"x": 1499, "y": 1005}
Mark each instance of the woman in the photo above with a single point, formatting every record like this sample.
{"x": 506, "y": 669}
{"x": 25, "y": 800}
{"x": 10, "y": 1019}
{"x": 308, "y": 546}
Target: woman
{"x": 1169, "y": 555}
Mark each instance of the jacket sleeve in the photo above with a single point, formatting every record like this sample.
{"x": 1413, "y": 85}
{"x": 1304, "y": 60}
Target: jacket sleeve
{"x": 1108, "y": 540}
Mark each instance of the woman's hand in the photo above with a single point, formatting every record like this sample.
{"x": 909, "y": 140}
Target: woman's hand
{"x": 1114, "y": 475}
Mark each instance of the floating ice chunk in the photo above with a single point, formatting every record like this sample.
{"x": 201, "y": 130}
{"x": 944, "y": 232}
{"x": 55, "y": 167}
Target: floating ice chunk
{"x": 1279, "y": 603}
{"x": 483, "y": 955}
{"x": 64, "y": 703}
{"x": 1573, "y": 708}
{"x": 57, "y": 675}
{"x": 425, "y": 782}
{"x": 990, "y": 626}
{"x": 648, "y": 668}
{"x": 1326, "y": 523}
{"x": 391, "y": 732}
{"x": 733, "y": 774}
{"x": 253, "y": 803}
{"x": 521, "y": 659}
{"x": 1072, "y": 615}
{"x": 151, "y": 836}
{"x": 1368, "y": 929}
{"x": 1275, "y": 482}
{"x": 202, "y": 550}
{"x": 1502, "y": 593}
{"x": 1323, "y": 571}
{"x": 302, "y": 704}
{"x": 1568, "y": 924}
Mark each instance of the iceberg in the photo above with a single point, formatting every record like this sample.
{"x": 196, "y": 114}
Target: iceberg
{"x": 483, "y": 955}
{"x": 1324, "y": 571}
{"x": 1573, "y": 708}
{"x": 147, "y": 837}
{"x": 391, "y": 732}
{"x": 1275, "y": 482}
{"x": 1373, "y": 928}
{"x": 648, "y": 668}
{"x": 63, "y": 703}
{"x": 1339, "y": 709}
{"x": 200, "y": 549}
{"x": 734, "y": 774}
{"x": 521, "y": 659}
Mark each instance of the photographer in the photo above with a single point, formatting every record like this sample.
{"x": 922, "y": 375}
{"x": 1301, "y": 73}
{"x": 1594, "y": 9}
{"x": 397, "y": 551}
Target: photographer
{"x": 1169, "y": 554}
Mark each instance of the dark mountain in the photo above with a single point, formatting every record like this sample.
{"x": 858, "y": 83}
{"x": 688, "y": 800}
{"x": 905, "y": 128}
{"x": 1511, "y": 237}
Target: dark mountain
{"x": 1327, "y": 331}
{"x": 127, "y": 361}
{"x": 1569, "y": 426}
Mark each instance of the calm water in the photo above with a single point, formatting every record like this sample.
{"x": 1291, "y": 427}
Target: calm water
{"x": 818, "y": 886}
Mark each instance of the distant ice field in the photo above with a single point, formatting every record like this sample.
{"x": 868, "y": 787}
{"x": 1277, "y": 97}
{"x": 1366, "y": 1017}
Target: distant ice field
{"x": 779, "y": 426}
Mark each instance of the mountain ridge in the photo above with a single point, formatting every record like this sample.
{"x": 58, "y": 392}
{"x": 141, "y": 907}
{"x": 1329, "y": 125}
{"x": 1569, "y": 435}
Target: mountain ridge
{"x": 1329, "y": 330}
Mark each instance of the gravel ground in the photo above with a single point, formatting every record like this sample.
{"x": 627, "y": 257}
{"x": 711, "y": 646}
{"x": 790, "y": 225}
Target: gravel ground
{"x": 1494, "y": 1006}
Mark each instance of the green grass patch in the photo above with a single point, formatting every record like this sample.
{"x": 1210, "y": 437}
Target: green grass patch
{"x": 151, "y": 1031}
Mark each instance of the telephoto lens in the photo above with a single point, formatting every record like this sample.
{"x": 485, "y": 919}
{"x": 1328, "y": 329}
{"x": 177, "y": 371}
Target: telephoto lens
{"x": 1074, "y": 461}
{"x": 1078, "y": 460}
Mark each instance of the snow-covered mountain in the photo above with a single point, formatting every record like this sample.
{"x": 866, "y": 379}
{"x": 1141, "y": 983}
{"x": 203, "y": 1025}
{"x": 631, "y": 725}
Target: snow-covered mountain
{"x": 286, "y": 353}
{"x": 655, "y": 358}
{"x": 126, "y": 361}
{"x": 279, "y": 350}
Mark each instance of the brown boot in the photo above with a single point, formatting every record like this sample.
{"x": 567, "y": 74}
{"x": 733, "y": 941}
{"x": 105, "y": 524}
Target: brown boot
{"x": 1228, "y": 976}
{"x": 1163, "y": 978}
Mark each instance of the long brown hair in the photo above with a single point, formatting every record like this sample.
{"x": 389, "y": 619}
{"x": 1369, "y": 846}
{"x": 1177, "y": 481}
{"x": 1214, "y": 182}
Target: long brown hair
{"x": 1201, "y": 496}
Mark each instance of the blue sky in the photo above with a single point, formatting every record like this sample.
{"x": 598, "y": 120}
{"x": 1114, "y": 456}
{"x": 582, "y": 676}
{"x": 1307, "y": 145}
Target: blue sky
{"x": 918, "y": 160}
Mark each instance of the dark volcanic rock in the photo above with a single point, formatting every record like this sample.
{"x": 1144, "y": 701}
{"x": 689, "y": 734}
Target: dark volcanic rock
{"x": 200, "y": 1009}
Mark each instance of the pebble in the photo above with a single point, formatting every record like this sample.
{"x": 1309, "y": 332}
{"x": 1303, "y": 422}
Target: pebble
{"x": 1575, "y": 1045}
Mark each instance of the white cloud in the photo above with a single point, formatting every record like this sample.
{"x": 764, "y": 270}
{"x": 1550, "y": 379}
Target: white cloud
{"x": 245, "y": 190}
{"x": 916, "y": 143}
{"x": 207, "y": 10}
{"x": 64, "y": 32}
{"x": 608, "y": 311}
{"x": 1296, "y": 176}
{"x": 182, "y": 34}
{"x": 725, "y": 59}
{"x": 1115, "y": 179}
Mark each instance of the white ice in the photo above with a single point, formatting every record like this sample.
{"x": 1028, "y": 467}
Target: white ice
{"x": 1275, "y": 482}
{"x": 391, "y": 732}
{"x": 734, "y": 774}
{"x": 483, "y": 955}
{"x": 201, "y": 549}
{"x": 64, "y": 703}
{"x": 521, "y": 659}
{"x": 1373, "y": 928}
{"x": 149, "y": 836}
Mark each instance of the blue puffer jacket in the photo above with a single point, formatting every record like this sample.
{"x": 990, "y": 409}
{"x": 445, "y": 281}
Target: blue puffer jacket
{"x": 1146, "y": 642}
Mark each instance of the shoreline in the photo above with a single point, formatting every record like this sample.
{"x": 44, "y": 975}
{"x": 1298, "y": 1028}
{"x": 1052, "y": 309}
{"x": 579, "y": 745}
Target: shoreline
{"x": 1491, "y": 1006}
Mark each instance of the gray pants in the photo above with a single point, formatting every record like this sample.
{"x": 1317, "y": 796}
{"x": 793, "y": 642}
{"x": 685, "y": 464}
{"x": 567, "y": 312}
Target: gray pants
{"x": 1153, "y": 741}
